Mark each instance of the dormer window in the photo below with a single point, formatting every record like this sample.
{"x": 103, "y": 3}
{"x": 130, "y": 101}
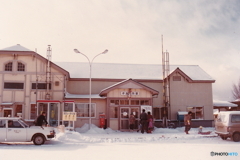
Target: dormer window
{"x": 21, "y": 67}
{"x": 9, "y": 66}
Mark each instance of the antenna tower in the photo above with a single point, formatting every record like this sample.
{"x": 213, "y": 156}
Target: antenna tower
{"x": 48, "y": 71}
{"x": 166, "y": 83}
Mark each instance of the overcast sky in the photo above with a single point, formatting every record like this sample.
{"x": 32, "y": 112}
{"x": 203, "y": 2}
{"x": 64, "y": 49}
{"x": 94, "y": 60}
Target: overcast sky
{"x": 199, "y": 32}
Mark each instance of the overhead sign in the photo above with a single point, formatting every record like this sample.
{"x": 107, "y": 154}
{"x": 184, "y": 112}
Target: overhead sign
{"x": 69, "y": 116}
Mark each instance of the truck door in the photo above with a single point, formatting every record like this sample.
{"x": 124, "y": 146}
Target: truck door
{"x": 3, "y": 130}
{"x": 16, "y": 132}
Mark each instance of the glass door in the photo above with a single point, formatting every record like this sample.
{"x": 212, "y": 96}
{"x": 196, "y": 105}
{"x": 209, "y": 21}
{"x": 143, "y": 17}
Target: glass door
{"x": 124, "y": 118}
{"x": 52, "y": 112}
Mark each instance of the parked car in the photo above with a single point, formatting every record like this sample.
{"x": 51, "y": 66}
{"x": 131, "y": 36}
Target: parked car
{"x": 227, "y": 125}
{"x": 17, "y": 130}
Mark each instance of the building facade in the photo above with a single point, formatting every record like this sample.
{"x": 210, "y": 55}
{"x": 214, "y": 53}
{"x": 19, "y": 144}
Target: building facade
{"x": 31, "y": 84}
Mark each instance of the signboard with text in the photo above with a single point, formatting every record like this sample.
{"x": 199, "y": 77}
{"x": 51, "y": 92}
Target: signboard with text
{"x": 69, "y": 116}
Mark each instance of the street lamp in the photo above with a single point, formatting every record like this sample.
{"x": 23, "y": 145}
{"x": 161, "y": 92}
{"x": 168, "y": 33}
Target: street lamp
{"x": 90, "y": 82}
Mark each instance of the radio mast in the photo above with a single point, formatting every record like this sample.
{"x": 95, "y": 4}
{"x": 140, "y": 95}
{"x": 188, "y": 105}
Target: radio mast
{"x": 48, "y": 72}
{"x": 166, "y": 91}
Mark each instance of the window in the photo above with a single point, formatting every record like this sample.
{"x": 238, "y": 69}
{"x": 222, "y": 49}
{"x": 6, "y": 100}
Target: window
{"x": 9, "y": 85}
{"x": 235, "y": 119}
{"x": 144, "y": 102}
{"x": 41, "y": 86}
{"x": 124, "y": 102}
{"x": 134, "y": 102}
{"x": 68, "y": 107}
{"x": 113, "y": 112}
{"x": 2, "y": 123}
{"x": 33, "y": 113}
{"x": 8, "y": 66}
{"x": 156, "y": 112}
{"x": 82, "y": 109}
{"x": 176, "y": 78}
{"x": 18, "y": 111}
{"x": 197, "y": 112}
{"x": 21, "y": 67}
{"x": 114, "y": 102}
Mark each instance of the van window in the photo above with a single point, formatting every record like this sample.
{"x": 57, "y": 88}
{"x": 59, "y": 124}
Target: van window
{"x": 235, "y": 119}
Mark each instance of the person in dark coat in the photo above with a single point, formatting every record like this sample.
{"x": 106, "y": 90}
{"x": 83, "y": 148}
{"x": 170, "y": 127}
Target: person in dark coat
{"x": 131, "y": 122}
{"x": 187, "y": 121}
{"x": 143, "y": 118}
{"x": 40, "y": 119}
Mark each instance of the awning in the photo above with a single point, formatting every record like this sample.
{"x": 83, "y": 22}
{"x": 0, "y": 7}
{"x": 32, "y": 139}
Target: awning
{"x": 81, "y": 96}
{"x": 7, "y": 104}
{"x": 223, "y": 104}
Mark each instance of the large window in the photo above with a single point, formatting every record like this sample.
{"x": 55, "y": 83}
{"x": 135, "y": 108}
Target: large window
{"x": 82, "y": 110}
{"x": 33, "y": 112}
{"x": 156, "y": 112}
{"x": 41, "y": 85}
{"x": 197, "y": 112}
{"x": 9, "y": 85}
{"x": 21, "y": 67}
{"x": 113, "y": 112}
{"x": 8, "y": 66}
{"x": 129, "y": 102}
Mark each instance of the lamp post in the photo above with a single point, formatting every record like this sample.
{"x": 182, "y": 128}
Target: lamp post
{"x": 90, "y": 82}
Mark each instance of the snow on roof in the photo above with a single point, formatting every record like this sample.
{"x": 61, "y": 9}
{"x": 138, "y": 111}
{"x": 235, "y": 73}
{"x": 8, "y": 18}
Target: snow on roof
{"x": 127, "y": 71}
{"x": 217, "y": 103}
{"x": 17, "y": 47}
{"x": 93, "y": 96}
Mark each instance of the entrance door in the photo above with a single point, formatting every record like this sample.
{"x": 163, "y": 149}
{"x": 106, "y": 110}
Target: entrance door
{"x": 124, "y": 117}
{"x": 52, "y": 112}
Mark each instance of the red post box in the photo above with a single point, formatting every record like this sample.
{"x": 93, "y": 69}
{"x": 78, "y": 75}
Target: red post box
{"x": 102, "y": 120}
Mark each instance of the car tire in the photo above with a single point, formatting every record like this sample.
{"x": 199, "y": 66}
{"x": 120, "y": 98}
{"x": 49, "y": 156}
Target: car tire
{"x": 236, "y": 137}
{"x": 38, "y": 139}
{"x": 223, "y": 137}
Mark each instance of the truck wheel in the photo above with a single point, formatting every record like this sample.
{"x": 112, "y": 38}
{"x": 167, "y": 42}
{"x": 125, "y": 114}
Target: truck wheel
{"x": 223, "y": 137}
{"x": 236, "y": 137}
{"x": 38, "y": 139}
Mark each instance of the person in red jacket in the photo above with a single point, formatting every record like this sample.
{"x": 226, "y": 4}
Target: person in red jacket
{"x": 150, "y": 122}
{"x": 187, "y": 121}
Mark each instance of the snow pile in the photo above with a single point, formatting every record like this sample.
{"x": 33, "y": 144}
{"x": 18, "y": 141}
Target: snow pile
{"x": 100, "y": 135}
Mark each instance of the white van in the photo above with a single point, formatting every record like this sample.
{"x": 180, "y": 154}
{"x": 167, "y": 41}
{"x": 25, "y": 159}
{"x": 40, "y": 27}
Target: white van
{"x": 227, "y": 125}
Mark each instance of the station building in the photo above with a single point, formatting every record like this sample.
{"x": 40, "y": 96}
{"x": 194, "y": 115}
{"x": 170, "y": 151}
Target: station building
{"x": 31, "y": 83}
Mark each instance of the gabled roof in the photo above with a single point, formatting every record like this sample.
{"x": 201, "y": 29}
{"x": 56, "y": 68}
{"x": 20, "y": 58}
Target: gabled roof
{"x": 124, "y": 83}
{"x": 20, "y": 50}
{"x": 17, "y": 47}
{"x": 134, "y": 71}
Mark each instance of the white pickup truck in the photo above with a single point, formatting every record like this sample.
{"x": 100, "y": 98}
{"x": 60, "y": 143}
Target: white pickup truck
{"x": 17, "y": 130}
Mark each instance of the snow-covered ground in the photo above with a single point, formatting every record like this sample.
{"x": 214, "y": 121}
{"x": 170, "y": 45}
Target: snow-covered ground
{"x": 101, "y": 144}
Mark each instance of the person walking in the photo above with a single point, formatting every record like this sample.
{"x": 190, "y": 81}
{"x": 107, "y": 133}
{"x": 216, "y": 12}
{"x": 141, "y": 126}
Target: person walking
{"x": 150, "y": 122}
{"x": 40, "y": 119}
{"x": 187, "y": 121}
{"x": 131, "y": 122}
{"x": 143, "y": 118}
